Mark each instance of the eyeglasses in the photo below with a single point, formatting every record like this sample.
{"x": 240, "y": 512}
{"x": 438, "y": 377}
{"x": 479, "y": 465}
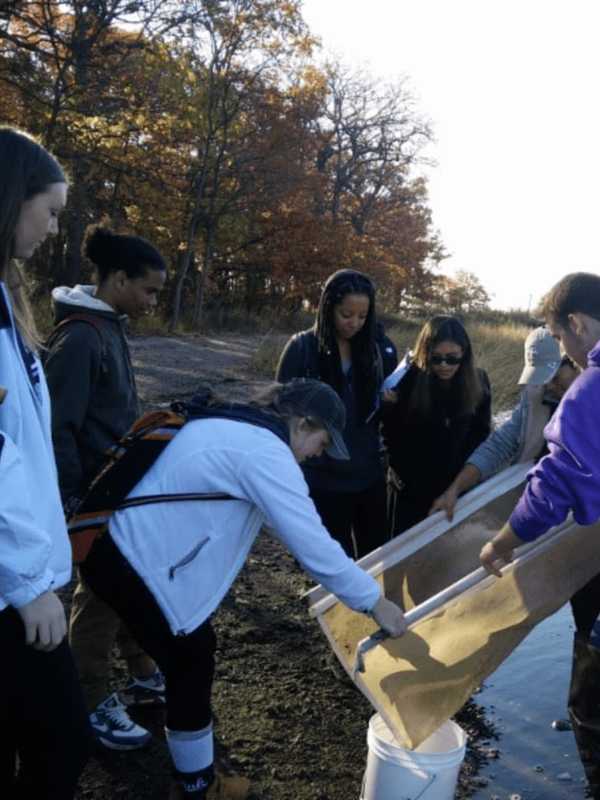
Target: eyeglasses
{"x": 449, "y": 359}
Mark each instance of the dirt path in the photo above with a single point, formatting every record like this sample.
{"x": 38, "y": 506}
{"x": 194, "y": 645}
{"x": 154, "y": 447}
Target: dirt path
{"x": 170, "y": 367}
{"x": 285, "y": 718}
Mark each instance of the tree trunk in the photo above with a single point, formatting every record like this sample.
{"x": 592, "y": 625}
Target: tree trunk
{"x": 202, "y": 278}
{"x": 183, "y": 264}
{"x": 75, "y": 226}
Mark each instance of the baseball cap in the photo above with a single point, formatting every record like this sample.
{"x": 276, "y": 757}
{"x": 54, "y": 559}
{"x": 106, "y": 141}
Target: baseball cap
{"x": 307, "y": 397}
{"x": 542, "y": 358}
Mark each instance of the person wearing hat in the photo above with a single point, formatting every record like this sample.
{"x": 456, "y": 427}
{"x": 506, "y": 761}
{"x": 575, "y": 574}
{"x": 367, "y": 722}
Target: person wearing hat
{"x": 165, "y": 567}
{"x": 546, "y": 376}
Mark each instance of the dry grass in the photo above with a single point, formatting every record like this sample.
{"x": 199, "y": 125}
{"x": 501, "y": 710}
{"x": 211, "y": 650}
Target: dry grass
{"x": 498, "y": 349}
{"x": 266, "y": 356}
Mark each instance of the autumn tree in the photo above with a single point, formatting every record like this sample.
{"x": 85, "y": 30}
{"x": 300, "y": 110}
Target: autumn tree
{"x": 370, "y": 136}
{"x": 356, "y": 204}
{"x": 460, "y": 294}
{"x": 67, "y": 62}
{"x": 206, "y": 127}
{"x": 466, "y": 294}
{"x": 239, "y": 47}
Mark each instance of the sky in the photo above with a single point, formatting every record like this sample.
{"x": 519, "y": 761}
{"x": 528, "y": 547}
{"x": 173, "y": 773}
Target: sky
{"x": 512, "y": 90}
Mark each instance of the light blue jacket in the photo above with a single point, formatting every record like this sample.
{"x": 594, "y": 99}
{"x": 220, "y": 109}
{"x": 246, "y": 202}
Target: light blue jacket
{"x": 189, "y": 553}
{"x": 519, "y": 439}
{"x": 35, "y": 554}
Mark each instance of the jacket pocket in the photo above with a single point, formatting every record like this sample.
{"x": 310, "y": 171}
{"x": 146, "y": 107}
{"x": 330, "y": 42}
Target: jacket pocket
{"x": 188, "y": 558}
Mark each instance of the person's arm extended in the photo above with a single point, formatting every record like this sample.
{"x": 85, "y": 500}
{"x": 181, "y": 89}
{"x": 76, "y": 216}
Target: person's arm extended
{"x": 468, "y": 477}
{"x": 499, "y": 549}
{"x": 71, "y": 368}
{"x": 498, "y": 450}
{"x": 502, "y": 446}
{"x": 275, "y": 484}
{"x": 569, "y": 476}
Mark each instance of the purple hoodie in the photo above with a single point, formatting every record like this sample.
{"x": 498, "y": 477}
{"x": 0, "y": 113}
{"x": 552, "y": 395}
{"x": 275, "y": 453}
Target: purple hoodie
{"x": 568, "y": 478}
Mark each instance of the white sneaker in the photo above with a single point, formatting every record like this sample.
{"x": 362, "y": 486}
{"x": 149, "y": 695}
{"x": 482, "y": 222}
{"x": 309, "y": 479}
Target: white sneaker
{"x": 115, "y": 729}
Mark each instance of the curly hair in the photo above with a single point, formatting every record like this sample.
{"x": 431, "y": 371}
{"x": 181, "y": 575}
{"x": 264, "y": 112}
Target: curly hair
{"x": 110, "y": 251}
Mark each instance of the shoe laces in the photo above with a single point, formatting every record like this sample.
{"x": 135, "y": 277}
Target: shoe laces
{"x": 116, "y": 712}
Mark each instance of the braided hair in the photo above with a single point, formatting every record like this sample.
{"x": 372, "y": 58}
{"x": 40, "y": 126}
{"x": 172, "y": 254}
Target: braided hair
{"x": 365, "y": 356}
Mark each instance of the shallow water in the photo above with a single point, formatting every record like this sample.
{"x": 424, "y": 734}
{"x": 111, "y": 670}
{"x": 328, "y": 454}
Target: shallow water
{"x": 521, "y": 699}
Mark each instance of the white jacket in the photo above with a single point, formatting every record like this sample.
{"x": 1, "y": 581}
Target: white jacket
{"x": 35, "y": 554}
{"x": 189, "y": 553}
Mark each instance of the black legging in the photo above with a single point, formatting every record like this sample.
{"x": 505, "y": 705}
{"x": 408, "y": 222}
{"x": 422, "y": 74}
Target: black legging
{"x": 355, "y": 518}
{"x": 43, "y": 719}
{"x": 187, "y": 662}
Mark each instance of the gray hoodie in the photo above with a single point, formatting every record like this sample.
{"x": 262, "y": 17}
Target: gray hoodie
{"x": 92, "y": 386}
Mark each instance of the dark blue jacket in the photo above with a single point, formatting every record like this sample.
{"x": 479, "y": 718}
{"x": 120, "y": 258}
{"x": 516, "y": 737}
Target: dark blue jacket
{"x": 300, "y": 359}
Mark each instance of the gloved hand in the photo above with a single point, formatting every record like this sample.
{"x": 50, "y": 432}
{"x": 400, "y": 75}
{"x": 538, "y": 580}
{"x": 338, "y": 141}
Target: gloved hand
{"x": 45, "y": 622}
{"x": 389, "y": 616}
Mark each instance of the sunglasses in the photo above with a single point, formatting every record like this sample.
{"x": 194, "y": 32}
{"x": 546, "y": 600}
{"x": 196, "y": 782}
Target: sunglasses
{"x": 450, "y": 359}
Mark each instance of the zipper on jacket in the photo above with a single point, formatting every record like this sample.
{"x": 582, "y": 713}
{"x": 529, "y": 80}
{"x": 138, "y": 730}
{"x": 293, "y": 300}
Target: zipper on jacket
{"x": 187, "y": 559}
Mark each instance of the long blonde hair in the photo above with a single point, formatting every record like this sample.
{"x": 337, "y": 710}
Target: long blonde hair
{"x": 27, "y": 169}
{"x": 14, "y": 281}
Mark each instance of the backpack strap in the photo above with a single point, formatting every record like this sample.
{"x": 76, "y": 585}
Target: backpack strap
{"x": 97, "y": 522}
{"x": 196, "y": 408}
{"x": 90, "y": 319}
{"x": 148, "y": 499}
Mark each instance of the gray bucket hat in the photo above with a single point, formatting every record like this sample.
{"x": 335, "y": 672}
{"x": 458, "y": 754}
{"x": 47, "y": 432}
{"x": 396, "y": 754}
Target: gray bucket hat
{"x": 542, "y": 358}
{"x": 307, "y": 397}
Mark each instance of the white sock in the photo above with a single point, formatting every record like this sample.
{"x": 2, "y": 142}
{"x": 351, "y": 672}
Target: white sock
{"x": 191, "y": 751}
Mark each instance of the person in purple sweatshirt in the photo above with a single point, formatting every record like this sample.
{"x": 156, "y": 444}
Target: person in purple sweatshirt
{"x": 568, "y": 479}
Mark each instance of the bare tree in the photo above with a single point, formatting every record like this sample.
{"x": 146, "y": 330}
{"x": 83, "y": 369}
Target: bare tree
{"x": 371, "y": 136}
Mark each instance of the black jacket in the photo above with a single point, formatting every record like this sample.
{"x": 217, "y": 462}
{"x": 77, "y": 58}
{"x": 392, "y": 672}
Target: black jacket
{"x": 92, "y": 387}
{"x": 300, "y": 359}
{"x": 426, "y": 453}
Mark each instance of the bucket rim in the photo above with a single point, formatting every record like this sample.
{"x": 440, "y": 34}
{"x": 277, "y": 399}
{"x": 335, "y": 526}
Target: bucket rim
{"x": 394, "y": 751}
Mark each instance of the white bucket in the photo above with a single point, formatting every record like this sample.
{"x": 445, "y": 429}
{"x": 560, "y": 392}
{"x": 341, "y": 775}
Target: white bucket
{"x": 429, "y": 772}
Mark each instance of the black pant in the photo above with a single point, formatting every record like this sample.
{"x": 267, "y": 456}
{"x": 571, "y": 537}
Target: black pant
{"x": 43, "y": 719}
{"x": 187, "y": 662}
{"x": 357, "y": 520}
{"x": 584, "y": 691}
{"x": 404, "y": 507}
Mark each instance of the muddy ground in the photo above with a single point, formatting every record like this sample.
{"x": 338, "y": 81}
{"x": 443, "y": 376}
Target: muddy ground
{"x": 285, "y": 716}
